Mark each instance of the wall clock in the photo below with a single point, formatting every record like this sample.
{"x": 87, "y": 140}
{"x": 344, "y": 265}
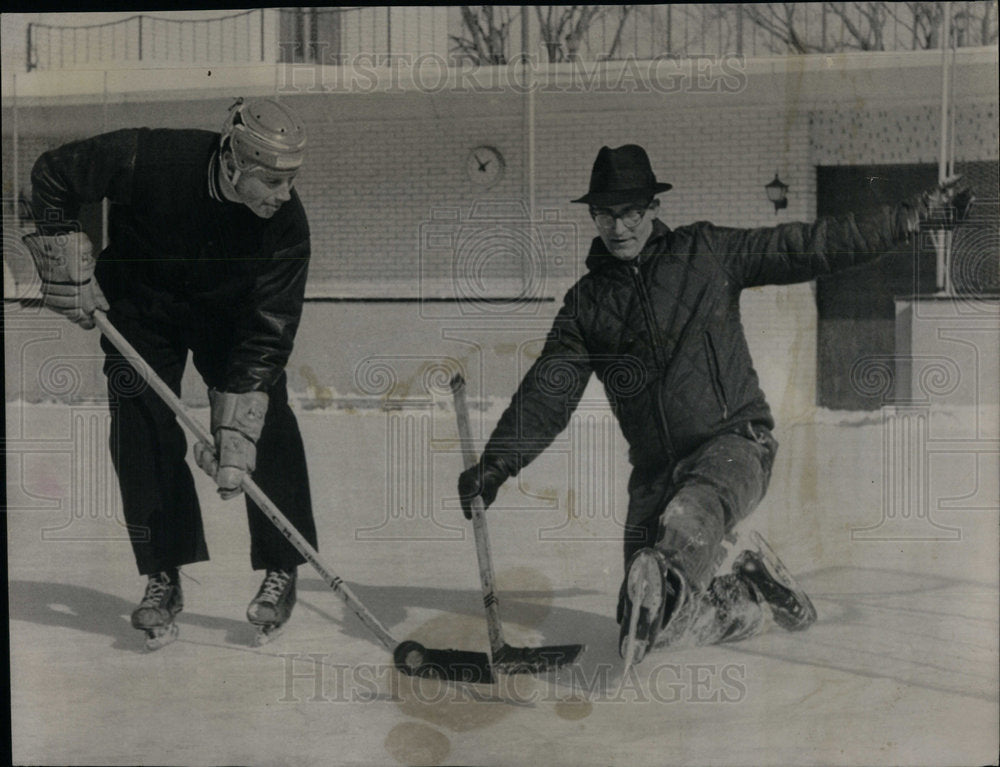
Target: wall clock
{"x": 485, "y": 166}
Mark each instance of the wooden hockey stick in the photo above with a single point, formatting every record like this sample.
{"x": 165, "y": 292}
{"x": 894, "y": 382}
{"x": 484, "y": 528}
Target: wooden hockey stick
{"x": 506, "y": 659}
{"x": 410, "y": 657}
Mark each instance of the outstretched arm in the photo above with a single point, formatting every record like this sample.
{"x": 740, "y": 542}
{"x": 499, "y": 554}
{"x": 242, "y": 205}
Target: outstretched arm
{"x": 800, "y": 252}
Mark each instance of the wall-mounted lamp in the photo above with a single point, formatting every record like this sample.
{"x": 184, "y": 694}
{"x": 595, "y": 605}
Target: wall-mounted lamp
{"x": 777, "y": 192}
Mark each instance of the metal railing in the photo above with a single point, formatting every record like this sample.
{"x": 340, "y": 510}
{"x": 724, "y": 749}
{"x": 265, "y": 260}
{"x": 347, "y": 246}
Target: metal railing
{"x": 235, "y": 38}
{"x": 497, "y": 34}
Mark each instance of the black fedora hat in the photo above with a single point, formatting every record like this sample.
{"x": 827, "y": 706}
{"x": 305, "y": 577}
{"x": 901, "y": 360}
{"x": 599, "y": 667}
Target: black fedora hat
{"x": 621, "y": 175}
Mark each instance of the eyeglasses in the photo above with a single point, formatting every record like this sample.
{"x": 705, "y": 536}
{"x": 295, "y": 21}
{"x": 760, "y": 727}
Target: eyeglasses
{"x": 631, "y": 217}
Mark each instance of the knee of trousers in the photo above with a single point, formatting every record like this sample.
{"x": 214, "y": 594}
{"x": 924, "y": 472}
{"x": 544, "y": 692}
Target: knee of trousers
{"x": 141, "y": 423}
{"x": 735, "y": 473}
{"x": 691, "y": 529}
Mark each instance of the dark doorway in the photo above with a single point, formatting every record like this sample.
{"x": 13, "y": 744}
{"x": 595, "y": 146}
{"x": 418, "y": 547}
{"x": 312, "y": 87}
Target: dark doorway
{"x": 857, "y": 308}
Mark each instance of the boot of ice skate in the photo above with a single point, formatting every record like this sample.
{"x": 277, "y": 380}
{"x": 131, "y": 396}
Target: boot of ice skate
{"x": 160, "y": 604}
{"x": 663, "y": 586}
{"x": 272, "y": 607}
{"x": 729, "y": 610}
{"x": 791, "y": 607}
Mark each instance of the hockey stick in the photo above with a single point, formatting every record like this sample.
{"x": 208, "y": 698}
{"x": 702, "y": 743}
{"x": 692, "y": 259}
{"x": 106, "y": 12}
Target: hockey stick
{"x": 506, "y": 659}
{"x": 410, "y": 657}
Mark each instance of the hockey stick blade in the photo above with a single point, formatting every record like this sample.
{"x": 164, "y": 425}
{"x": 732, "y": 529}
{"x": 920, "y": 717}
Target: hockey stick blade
{"x": 535, "y": 660}
{"x": 413, "y": 659}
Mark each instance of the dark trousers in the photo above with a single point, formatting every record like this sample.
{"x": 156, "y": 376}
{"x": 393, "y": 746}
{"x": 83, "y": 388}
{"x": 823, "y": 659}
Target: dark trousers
{"x": 687, "y": 509}
{"x": 148, "y": 449}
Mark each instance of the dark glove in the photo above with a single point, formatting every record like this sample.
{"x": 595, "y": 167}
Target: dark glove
{"x": 237, "y": 420}
{"x": 483, "y": 479}
{"x": 946, "y": 206}
{"x": 66, "y": 263}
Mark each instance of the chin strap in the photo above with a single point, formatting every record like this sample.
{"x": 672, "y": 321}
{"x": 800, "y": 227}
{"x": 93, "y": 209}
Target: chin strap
{"x": 234, "y": 177}
{"x": 229, "y": 179}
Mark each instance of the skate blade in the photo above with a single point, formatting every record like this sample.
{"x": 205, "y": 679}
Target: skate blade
{"x": 161, "y": 637}
{"x": 645, "y": 594}
{"x": 267, "y": 634}
{"x": 628, "y": 652}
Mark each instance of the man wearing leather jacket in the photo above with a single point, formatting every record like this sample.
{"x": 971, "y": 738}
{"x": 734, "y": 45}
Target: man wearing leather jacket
{"x": 209, "y": 251}
{"x": 657, "y": 319}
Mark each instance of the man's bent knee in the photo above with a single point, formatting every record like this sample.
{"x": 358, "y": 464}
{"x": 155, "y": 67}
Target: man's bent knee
{"x": 691, "y": 530}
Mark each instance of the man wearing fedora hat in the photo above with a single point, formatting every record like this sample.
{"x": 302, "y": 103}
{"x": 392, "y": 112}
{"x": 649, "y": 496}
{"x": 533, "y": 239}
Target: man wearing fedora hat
{"x": 657, "y": 319}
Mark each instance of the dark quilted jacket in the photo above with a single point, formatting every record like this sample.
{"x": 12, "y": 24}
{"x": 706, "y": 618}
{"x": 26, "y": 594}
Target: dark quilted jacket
{"x": 178, "y": 256}
{"x": 663, "y": 333}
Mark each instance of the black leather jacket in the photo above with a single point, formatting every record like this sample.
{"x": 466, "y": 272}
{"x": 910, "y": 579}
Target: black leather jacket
{"x": 179, "y": 253}
{"x": 663, "y": 333}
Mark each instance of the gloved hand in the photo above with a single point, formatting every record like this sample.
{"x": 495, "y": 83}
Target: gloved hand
{"x": 237, "y": 420}
{"x": 946, "y": 206}
{"x": 66, "y": 263}
{"x": 483, "y": 479}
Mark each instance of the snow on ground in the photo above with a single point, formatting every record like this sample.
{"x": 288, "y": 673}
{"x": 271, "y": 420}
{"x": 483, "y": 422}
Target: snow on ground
{"x": 890, "y": 520}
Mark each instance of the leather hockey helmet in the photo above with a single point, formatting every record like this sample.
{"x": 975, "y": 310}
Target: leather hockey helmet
{"x": 264, "y": 133}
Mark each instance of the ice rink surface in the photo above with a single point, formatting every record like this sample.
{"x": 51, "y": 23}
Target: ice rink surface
{"x": 895, "y": 540}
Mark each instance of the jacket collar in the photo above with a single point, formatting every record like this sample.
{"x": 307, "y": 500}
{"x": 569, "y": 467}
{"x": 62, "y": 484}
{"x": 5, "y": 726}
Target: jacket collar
{"x": 657, "y": 244}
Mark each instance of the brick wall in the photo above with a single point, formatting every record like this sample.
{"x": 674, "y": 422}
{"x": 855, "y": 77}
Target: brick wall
{"x": 383, "y": 167}
{"x": 865, "y": 135}
{"x": 371, "y": 184}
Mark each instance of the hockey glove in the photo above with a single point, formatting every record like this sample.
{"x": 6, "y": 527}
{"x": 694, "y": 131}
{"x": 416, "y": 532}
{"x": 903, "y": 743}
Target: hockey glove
{"x": 483, "y": 479}
{"x": 237, "y": 420}
{"x": 66, "y": 262}
{"x": 944, "y": 207}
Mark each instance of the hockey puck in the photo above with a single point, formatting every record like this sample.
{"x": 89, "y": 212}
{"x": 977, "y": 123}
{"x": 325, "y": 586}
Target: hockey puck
{"x": 409, "y": 657}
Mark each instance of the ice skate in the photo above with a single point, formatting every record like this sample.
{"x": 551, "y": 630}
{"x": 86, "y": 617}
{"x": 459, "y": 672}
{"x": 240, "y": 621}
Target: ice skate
{"x": 791, "y": 608}
{"x": 649, "y": 594}
{"x": 160, "y": 604}
{"x": 272, "y": 606}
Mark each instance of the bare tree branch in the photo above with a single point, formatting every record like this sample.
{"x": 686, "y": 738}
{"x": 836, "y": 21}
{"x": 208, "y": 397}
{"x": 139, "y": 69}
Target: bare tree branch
{"x": 623, "y": 14}
{"x": 568, "y": 31}
{"x": 777, "y": 19}
{"x": 565, "y": 28}
{"x": 487, "y": 29}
